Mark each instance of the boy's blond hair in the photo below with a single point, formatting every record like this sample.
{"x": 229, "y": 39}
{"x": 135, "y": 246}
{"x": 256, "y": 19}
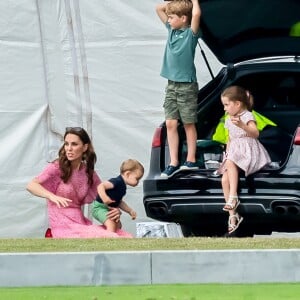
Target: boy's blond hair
{"x": 131, "y": 165}
{"x": 180, "y": 8}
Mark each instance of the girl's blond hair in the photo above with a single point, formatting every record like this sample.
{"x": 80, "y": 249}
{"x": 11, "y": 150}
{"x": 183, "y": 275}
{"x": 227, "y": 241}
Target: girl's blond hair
{"x": 237, "y": 93}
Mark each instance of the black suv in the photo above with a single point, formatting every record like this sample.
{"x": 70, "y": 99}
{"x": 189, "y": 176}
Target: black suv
{"x": 259, "y": 47}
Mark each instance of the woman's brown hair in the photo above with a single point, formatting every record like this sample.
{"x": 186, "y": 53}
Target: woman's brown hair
{"x": 89, "y": 157}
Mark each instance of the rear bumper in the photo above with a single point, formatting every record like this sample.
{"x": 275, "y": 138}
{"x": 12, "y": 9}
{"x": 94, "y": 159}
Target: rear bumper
{"x": 186, "y": 208}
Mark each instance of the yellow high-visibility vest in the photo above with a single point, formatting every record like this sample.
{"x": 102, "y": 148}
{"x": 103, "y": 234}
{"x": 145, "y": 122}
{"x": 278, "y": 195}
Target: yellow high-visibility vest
{"x": 221, "y": 134}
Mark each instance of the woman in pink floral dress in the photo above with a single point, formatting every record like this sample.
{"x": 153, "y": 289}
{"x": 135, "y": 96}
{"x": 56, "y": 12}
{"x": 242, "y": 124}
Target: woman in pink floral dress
{"x": 68, "y": 183}
{"x": 243, "y": 151}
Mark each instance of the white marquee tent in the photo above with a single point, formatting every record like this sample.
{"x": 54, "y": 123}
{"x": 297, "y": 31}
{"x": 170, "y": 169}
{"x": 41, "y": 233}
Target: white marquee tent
{"x": 90, "y": 63}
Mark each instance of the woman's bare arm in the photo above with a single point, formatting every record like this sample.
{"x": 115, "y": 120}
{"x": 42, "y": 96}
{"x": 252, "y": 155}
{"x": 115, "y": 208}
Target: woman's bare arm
{"x": 35, "y": 188}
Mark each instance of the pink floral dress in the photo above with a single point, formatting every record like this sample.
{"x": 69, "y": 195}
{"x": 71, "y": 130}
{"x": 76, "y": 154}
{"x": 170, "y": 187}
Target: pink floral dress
{"x": 69, "y": 222}
{"x": 246, "y": 152}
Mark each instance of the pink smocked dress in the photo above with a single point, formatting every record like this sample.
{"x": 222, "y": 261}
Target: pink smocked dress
{"x": 246, "y": 152}
{"x": 69, "y": 222}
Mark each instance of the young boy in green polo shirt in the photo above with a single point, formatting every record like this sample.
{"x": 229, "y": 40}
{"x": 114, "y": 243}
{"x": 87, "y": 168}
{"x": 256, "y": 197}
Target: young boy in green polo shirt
{"x": 182, "y": 20}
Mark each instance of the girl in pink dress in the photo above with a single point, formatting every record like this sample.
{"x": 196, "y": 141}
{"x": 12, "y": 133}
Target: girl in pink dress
{"x": 243, "y": 151}
{"x": 70, "y": 182}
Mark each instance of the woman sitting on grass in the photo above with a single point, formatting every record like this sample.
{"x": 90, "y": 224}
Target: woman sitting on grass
{"x": 70, "y": 182}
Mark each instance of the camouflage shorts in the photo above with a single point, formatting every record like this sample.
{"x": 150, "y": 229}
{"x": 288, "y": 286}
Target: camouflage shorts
{"x": 181, "y": 101}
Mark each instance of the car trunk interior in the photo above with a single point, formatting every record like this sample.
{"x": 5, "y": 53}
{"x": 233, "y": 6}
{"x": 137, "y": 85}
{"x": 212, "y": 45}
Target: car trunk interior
{"x": 276, "y": 96}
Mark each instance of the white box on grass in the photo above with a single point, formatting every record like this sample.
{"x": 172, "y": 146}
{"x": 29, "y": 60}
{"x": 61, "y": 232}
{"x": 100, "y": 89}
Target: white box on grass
{"x": 158, "y": 230}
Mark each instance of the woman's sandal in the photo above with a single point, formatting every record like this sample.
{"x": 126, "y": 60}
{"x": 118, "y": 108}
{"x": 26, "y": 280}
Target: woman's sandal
{"x": 233, "y": 227}
{"x": 232, "y": 203}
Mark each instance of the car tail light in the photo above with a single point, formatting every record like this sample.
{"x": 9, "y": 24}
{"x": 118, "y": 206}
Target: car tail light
{"x": 297, "y": 137}
{"x": 156, "y": 140}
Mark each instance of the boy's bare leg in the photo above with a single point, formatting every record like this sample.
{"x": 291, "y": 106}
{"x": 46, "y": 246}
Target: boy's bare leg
{"x": 191, "y": 140}
{"x": 173, "y": 141}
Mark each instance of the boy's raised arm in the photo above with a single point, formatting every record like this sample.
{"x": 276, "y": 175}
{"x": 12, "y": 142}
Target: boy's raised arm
{"x": 161, "y": 11}
{"x": 196, "y": 13}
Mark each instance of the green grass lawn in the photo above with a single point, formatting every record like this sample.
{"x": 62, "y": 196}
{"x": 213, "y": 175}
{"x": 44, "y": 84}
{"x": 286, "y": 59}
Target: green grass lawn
{"x": 145, "y": 244}
{"x": 159, "y": 292}
{"x": 270, "y": 291}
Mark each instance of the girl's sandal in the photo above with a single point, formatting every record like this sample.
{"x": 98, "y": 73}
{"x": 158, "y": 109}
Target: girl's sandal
{"x": 232, "y": 203}
{"x": 233, "y": 227}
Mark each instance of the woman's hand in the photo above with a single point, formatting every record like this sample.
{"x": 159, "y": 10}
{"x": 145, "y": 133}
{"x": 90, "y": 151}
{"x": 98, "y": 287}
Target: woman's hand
{"x": 35, "y": 188}
{"x": 114, "y": 214}
{"x": 60, "y": 201}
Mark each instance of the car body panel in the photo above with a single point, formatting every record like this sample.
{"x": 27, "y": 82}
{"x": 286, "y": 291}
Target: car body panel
{"x": 236, "y": 31}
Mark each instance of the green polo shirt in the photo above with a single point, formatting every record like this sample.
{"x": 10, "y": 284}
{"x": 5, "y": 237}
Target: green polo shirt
{"x": 178, "y": 61}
